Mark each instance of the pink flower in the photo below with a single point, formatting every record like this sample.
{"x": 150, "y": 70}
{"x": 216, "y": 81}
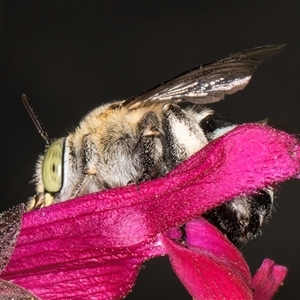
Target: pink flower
{"x": 93, "y": 247}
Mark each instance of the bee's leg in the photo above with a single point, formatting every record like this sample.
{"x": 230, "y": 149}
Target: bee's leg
{"x": 182, "y": 240}
{"x": 136, "y": 183}
{"x": 149, "y": 149}
{"x": 39, "y": 200}
{"x": 89, "y": 162}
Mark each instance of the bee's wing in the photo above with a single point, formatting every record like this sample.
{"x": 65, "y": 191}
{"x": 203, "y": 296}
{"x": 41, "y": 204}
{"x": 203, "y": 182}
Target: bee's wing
{"x": 210, "y": 82}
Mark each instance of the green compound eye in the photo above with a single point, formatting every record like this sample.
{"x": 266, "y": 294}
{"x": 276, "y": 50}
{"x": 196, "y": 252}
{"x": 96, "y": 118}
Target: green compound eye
{"x": 52, "y": 166}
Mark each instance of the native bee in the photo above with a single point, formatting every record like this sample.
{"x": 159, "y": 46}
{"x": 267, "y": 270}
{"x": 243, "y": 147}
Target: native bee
{"x": 146, "y": 136}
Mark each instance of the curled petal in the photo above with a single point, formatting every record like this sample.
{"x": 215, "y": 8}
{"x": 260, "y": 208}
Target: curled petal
{"x": 210, "y": 267}
{"x": 268, "y": 279}
{"x": 91, "y": 239}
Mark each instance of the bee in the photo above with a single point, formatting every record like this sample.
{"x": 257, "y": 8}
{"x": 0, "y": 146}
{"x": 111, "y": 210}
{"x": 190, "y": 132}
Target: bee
{"x": 147, "y": 135}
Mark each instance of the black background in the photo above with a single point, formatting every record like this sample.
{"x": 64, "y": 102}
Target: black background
{"x": 70, "y": 57}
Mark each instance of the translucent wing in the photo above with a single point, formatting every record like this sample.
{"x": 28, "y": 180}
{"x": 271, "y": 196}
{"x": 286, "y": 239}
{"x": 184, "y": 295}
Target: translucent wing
{"x": 210, "y": 82}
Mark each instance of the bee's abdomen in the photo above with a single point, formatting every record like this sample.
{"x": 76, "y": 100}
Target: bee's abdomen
{"x": 183, "y": 136}
{"x": 215, "y": 125}
{"x": 241, "y": 219}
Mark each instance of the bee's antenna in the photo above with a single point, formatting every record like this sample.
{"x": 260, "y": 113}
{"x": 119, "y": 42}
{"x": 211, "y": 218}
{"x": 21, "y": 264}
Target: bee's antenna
{"x": 36, "y": 120}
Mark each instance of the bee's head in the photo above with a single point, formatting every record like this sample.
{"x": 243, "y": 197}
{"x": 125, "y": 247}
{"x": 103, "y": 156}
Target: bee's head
{"x": 49, "y": 169}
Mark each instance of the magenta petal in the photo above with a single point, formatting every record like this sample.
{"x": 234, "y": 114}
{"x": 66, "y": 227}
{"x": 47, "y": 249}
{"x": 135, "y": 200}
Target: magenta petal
{"x": 210, "y": 267}
{"x": 94, "y": 245}
{"x": 200, "y": 234}
{"x": 268, "y": 279}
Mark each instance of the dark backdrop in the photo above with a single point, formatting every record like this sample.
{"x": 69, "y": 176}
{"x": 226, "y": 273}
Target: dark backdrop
{"x": 69, "y": 57}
